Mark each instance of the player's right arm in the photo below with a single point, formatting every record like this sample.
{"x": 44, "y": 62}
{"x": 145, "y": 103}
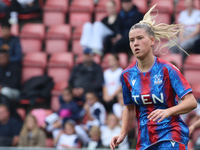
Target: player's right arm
{"x": 127, "y": 121}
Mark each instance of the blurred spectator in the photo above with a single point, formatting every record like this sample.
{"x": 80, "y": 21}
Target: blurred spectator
{"x": 192, "y": 128}
{"x": 68, "y": 110}
{"x": 190, "y": 18}
{"x": 31, "y": 135}
{"x": 9, "y": 128}
{"x": 112, "y": 82}
{"x": 10, "y": 43}
{"x": 95, "y": 138}
{"x": 22, "y": 7}
{"x": 94, "y": 109}
{"x": 67, "y": 138}
{"x": 129, "y": 15}
{"x": 119, "y": 106}
{"x": 11, "y": 105}
{"x": 93, "y": 34}
{"x": 10, "y": 76}
{"x": 112, "y": 129}
{"x": 95, "y": 113}
{"x": 86, "y": 76}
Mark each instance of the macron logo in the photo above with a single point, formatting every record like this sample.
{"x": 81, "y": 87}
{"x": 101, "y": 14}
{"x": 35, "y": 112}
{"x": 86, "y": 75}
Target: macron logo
{"x": 173, "y": 143}
{"x": 133, "y": 82}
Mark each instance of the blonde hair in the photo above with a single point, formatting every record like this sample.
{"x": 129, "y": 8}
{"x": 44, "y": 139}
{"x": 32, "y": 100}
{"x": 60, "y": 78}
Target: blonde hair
{"x": 95, "y": 130}
{"x": 24, "y": 129}
{"x": 159, "y": 31}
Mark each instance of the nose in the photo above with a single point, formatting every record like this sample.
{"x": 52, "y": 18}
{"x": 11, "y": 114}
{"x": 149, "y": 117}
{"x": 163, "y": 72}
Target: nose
{"x": 135, "y": 43}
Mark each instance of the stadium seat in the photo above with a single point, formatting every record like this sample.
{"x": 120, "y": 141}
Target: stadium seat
{"x": 78, "y": 19}
{"x": 62, "y": 59}
{"x": 35, "y": 59}
{"x": 21, "y": 112}
{"x": 33, "y": 31}
{"x": 141, "y": 4}
{"x": 49, "y": 143}
{"x": 31, "y": 45}
{"x": 56, "y": 45}
{"x": 59, "y": 87}
{"x": 55, "y": 104}
{"x": 29, "y": 72}
{"x": 59, "y": 32}
{"x": 100, "y": 16}
{"x": 192, "y": 76}
{"x": 196, "y": 90}
{"x": 101, "y": 6}
{"x": 96, "y": 59}
{"x": 59, "y": 74}
{"x": 192, "y": 62}
{"x": 82, "y": 6}
{"x": 76, "y": 47}
{"x": 164, "y": 6}
{"x": 54, "y": 12}
{"x": 162, "y": 18}
{"x": 40, "y": 114}
{"x": 175, "y": 58}
{"x": 181, "y": 6}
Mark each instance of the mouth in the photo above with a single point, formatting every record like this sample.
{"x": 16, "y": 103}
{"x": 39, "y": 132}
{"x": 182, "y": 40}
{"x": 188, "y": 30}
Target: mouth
{"x": 137, "y": 50}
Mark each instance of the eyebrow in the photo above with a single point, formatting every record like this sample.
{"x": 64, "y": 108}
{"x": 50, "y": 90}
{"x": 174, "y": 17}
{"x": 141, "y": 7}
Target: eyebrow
{"x": 135, "y": 37}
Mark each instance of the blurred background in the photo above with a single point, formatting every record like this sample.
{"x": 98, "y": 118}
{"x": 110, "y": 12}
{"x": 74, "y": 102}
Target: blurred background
{"x": 61, "y": 63}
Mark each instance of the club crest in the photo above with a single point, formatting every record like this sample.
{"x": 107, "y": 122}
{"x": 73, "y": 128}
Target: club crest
{"x": 157, "y": 79}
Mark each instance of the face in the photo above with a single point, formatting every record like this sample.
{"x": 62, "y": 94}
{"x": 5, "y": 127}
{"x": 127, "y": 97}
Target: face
{"x": 111, "y": 8}
{"x": 69, "y": 129}
{"x": 95, "y": 136}
{"x": 3, "y": 59}
{"x": 120, "y": 98}
{"x": 90, "y": 98}
{"x": 4, "y": 113}
{"x": 112, "y": 61}
{"x": 141, "y": 44}
{"x": 189, "y": 4}
{"x": 127, "y": 6}
{"x": 112, "y": 121}
{"x": 67, "y": 96}
{"x": 5, "y": 32}
{"x": 30, "y": 123}
{"x": 87, "y": 58}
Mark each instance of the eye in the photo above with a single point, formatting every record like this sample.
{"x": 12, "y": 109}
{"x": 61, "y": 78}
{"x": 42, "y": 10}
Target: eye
{"x": 132, "y": 40}
{"x": 140, "y": 38}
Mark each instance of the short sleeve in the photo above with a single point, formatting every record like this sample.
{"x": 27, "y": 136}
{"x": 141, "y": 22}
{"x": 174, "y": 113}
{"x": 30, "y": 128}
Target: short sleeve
{"x": 179, "y": 83}
{"x": 126, "y": 92}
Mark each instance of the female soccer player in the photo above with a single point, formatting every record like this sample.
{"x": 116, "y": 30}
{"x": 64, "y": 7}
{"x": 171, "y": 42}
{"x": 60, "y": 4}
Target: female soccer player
{"x": 149, "y": 86}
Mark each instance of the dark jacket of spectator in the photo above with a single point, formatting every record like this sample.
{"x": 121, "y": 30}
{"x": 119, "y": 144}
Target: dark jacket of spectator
{"x": 13, "y": 46}
{"x": 9, "y": 128}
{"x": 128, "y": 19}
{"x": 115, "y": 26}
{"x": 87, "y": 77}
{"x": 10, "y": 76}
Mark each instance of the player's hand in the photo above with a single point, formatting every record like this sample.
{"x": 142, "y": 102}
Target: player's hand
{"x": 191, "y": 129}
{"x": 159, "y": 114}
{"x": 116, "y": 140}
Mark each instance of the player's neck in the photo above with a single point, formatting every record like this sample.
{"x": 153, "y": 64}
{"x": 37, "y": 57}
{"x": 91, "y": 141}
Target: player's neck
{"x": 145, "y": 64}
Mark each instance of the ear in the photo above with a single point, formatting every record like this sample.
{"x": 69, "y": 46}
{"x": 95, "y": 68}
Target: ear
{"x": 153, "y": 41}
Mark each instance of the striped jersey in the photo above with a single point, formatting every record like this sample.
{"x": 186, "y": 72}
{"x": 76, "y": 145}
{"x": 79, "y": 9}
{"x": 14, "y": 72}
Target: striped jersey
{"x": 156, "y": 89}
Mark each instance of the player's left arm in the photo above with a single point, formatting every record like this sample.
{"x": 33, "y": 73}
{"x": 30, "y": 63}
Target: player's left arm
{"x": 188, "y": 104}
